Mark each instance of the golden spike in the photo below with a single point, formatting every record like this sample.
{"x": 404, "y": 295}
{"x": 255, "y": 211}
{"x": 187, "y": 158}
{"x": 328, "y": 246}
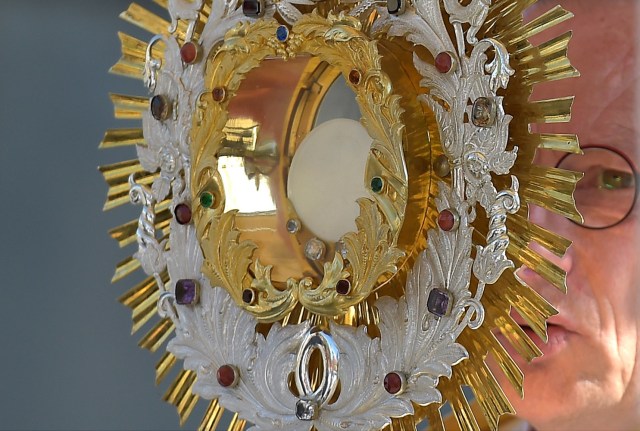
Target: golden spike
{"x": 460, "y": 406}
{"x": 125, "y": 268}
{"x": 122, "y": 137}
{"x": 488, "y": 392}
{"x": 510, "y": 329}
{"x": 117, "y": 188}
{"x": 523, "y": 255}
{"x": 559, "y": 142}
{"x": 131, "y": 63}
{"x": 129, "y": 107}
{"x": 145, "y": 311}
{"x": 162, "y": 3}
{"x": 144, "y": 19}
{"x": 549, "y": 63}
{"x": 545, "y": 21}
{"x": 158, "y": 334}
{"x": 119, "y": 172}
{"x": 211, "y": 417}
{"x": 432, "y": 414}
{"x": 186, "y": 406}
{"x": 179, "y": 387}
{"x": 164, "y": 365}
{"x": 140, "y": 292}
{"x": 548, "y": 111}
{"x": 531, "y": 232}
{"x": 504, "y": 360}
{"x": 126, "y": 233}
{"x": 534, "y": 309}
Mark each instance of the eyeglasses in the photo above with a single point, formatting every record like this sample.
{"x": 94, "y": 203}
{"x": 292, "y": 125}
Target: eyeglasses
{"x": 607, "y": 193}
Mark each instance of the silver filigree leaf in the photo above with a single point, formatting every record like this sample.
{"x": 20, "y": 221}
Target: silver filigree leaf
{"x": 363, "y": 403}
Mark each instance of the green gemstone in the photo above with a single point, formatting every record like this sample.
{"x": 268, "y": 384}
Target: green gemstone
{"x": 207, "y": 199}
{"x": 376, "y": 184}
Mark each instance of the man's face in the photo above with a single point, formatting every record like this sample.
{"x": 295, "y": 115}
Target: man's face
{"x": 589, "y": 376}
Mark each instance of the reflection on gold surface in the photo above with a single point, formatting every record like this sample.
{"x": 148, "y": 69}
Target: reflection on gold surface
{"x": 270, "y": 107}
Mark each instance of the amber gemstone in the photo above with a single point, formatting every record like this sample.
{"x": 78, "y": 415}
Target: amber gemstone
{"x": 160, "y": 107}
{"x": 189, "y": 52}
{"x": 444, "y": 62}
{"x": 219, "y": 94}
{"x": 393, "y": 383}
{"x": 227, "y": 376}
{"x": 182, "y": 213}
{"x": 446, "y": 220}
{"x": 343, "y": 287}
{"x": 354, "y": 77}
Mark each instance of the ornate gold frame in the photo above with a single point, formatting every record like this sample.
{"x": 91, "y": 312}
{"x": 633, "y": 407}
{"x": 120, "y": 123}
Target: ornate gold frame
{"x": 372, "y": 251}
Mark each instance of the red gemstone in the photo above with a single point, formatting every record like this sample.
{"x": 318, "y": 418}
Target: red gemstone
{"x": 219, "y": 94}
{"x": 189, "y": 52}
{"x": 393, "y": 383}
{"x": 182, "y": 213}
{"x": 227, "y": 376}
{"x": 343, "y": 287}
{"x": 444, "y": 62}
{"x": 446, "y": 220}
{"x": 354, "y": 76}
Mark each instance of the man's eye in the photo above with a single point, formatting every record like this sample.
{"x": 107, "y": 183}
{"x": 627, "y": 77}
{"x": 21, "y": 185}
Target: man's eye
{"x": 613, "y": 179}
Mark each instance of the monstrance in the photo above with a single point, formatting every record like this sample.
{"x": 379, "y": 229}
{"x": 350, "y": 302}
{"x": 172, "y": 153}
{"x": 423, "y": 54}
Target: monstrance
{"x": 334, "y": 198}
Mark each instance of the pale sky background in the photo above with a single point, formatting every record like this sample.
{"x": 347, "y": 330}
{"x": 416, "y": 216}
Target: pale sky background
{"x": 67, "y": 360}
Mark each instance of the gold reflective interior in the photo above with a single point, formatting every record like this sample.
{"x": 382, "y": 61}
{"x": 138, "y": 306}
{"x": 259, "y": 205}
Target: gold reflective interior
{"x": 274, "y": 109}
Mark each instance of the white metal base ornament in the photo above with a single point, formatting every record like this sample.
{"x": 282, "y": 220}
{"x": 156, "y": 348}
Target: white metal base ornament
{"x": 354, "y": 358}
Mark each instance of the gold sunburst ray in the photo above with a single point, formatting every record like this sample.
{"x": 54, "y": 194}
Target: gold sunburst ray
{"x": 114, "y": 138}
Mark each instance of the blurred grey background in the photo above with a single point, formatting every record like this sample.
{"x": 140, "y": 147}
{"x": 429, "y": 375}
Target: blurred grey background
{"x": 67, "y": 360}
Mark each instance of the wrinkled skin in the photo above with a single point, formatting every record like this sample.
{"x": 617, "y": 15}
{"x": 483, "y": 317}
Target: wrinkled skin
{"x": 589, "y": 376}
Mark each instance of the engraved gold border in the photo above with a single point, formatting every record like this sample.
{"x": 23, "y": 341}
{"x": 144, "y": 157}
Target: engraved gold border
{"x": 371, "y": 251}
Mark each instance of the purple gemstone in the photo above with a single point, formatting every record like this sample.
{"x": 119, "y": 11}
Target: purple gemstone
{"x": 438, "y": 302}
{"x": 186, "y": 292}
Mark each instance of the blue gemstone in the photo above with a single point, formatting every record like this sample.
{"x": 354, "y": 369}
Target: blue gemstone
{"x": 438, "y": 302}
{"x": 282, "y": 33}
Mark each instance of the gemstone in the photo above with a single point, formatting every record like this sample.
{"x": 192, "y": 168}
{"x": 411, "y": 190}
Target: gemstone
{"x": 186, "y": 292}
{"x": 376, "y": 184}
{"x": 189, "y": 52}
{"x": 343, "y": 287}
{"x": 342, "y": 249}
{"x": 483, "y": 112}
{"x": 306, "y": 410}
{"x": 444, "y": 62}
{"x": 248, "y": 296}
{"x": 441, "y": 166}
{"x": 395, "y": 7}
{"x": 253, "y": 8}
{"x": 282, "y": 33}
{"x": 160, "y": 107}
{"x": 207, "y": 199}
{"x": 219, "y": 93}
{"x": 314, "y": 249}
{"x": 354, "y": 77}
{"x": 438, "y": 302}
{"x": 447, "y": 220}
{"x": 227, "y": 376}
{"x": 182, "y": 213}
{"x": 393, "y": 383}
{"x": 293, "y": 226}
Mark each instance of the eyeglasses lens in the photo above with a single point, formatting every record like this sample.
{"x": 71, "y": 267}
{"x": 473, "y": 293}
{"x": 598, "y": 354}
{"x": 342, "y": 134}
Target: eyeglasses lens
{"x": 606, "y": 194}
